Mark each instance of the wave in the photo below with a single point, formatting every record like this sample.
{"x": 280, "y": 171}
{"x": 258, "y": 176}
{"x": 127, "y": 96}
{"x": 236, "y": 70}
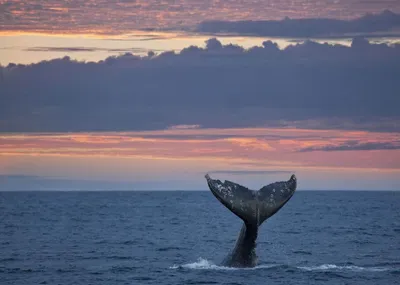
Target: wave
{"x": 202, "y": 263}
{"x": 120, "y": 269}
{"x": 119, "y": 257}
{"x": 168, "y": 248}
{"x": 8, "y": 259}
{"x": 302, "y": 252}
{"x": 334, "y": 267}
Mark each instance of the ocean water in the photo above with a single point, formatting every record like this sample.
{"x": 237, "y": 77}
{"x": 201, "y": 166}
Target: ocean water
{"x": 180, "y": 238}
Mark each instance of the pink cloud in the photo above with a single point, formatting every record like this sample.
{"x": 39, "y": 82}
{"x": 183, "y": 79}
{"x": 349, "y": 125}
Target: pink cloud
{"x": 250, "y": 148}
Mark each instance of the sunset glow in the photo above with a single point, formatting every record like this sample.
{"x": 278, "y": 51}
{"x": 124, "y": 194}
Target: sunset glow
{"x": 158, "y": 93}
{"x": 116, "y": 17}
{"x": 198, "y": 151}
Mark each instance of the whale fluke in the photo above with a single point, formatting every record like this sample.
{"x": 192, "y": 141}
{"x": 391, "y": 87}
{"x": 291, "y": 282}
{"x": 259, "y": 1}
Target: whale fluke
{"x": 253, "y": 207}
{"x": 237, "y": 198}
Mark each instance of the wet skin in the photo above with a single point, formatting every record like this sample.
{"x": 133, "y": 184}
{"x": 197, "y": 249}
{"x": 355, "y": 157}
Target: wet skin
{"x": 253, "y": 207}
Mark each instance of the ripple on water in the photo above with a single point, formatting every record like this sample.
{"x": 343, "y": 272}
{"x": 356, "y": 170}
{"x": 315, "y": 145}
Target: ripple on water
{"x": 8, "y": 259}
{"x": 171, "y": 248}
{"x": 200, "y": 282}
{"x": 143, "y": 278}
{"x": 17, "y": 270}
{"x": 303, "y": 252}
{"x": 118, "y": 257}
{"x": 120, "y": 269}
{"x": 129, "y": 242}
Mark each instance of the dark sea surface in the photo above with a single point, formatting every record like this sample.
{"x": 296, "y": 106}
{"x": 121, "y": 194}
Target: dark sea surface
{"x": 181, "y": 237}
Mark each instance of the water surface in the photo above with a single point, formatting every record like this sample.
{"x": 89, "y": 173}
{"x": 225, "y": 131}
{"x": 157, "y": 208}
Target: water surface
{"x": 180, "y": 238}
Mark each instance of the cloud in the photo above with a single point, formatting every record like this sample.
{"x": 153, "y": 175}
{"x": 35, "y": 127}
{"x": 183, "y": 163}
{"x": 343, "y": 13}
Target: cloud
{"x": 61, "y": 49}
{"x": 355, "y": 145}
{"x": 88, "y": 49}
{"x": 184, "y": 127}
{"x": 276, "y": 151}
{"x": 121, "y": 17}
{"x": 220, "y": 86}
{"x": 250, "y": 172}
{"x": 386, "y": 22}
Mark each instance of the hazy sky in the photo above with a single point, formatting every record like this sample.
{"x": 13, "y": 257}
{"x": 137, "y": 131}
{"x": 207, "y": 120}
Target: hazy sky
{"x": 156, "y": 100}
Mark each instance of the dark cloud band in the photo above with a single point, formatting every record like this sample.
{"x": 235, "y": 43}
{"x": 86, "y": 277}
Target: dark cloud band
{"x": 88, "y": 49}
{"x": 385, "y": 23}
{"x": 220, "y": 86}
{"x": 355, "y": 145}
{"x": 121, "y": 17}
{"x": 250, "y": 172}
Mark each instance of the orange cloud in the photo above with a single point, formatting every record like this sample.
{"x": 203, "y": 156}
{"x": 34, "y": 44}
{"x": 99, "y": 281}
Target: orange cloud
{"x": 250, "y": 148}
{"x": 251, "y": 143}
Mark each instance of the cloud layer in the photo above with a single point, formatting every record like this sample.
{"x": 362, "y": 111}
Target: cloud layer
{"x": 121, "y": 16}
{"x": 306, "y": 85}
{"x": 178, "y": 158}
{"x": 86, "y": 49}
{"x": 387, "y": 22}
{"x": 243, "y": 151}
{"x": 355, "y": 145}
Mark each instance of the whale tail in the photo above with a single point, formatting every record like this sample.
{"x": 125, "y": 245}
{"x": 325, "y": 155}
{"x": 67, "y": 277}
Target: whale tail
{"x": 253, "y": 207}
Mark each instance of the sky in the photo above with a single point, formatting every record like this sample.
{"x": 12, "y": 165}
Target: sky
{"x": 150, "y": 95}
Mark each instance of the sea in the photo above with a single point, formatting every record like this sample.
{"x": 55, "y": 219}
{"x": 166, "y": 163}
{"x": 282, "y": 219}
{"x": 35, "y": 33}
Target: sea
{"x": 180, "y": 237}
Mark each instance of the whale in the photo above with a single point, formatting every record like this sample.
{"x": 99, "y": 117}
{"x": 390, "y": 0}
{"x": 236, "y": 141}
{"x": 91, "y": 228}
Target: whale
{"x": 253, "y": 207}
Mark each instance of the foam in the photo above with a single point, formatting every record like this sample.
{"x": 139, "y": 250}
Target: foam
{"x": 334, "y": 267}
{"x": 204, "y": 264}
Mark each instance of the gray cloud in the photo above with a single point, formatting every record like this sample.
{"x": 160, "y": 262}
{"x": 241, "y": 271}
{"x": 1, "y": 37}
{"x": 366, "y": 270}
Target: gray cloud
{"x": 61, "y": 49}
{"x": 87, "y": 49}
{"x": 355, "y": 145}
{"x": 305, "y": 85}
{"x": 386, "y": 22}
{"x": 210, "y": 137}
{"x": 121, "y": 17}
{"x": 250, "y": 172}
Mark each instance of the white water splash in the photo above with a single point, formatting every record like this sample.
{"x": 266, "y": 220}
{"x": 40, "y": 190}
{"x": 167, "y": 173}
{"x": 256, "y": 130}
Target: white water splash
{"x": 205, "y": 264}
{"x": 202, "y": 263}
{"x": 333, "y": 267}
